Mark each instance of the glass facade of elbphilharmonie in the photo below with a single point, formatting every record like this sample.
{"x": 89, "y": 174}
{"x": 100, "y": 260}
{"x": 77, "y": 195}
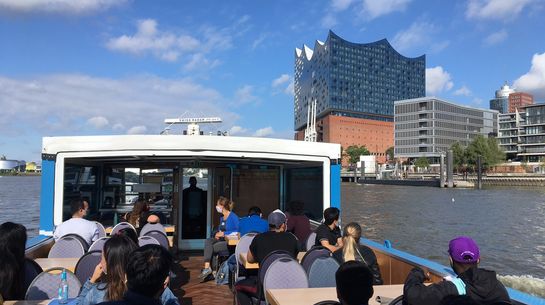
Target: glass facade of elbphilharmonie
{"x": 354, "y": 80}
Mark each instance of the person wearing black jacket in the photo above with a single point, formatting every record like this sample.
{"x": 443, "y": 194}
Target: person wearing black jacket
{"x": 352, "y": 250}
{"x": 479, "y": 284}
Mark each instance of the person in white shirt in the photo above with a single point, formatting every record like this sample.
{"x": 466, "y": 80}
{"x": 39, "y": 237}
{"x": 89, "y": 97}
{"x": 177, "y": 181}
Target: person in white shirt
{"x": 88, "y": 230}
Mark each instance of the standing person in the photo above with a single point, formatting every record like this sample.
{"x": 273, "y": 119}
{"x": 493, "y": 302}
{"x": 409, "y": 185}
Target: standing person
{"x": 479, "y": 284}
{"x": 193, "y": 211}
{"x": 352, "y": 250}
{"x": 86, "y": 229}
{"x": 253, "y": 222}
{"x": 147, "y": 276}
{"x": 354, "y": 282}
{"x": 328, "y": 234}
{"x": 228, "y": 224}
{"x": 298, "y": 222}
{"x": 12, "y": 261}
{"x": 108, "y": 280}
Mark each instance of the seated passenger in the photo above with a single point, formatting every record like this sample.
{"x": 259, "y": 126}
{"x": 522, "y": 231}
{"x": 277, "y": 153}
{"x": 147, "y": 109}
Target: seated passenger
{"x": 354, "y": 283}
{"x": 12, "y": 261}
{"x": 352, "y": 250}
{"x": 253, "y": 222}
{"x": 298, "y": 222}
{"x": 328, "y": 233}
{"x": 262, "y": 245}
{"x": 108, "y": 280}
{"x": 147, "y": 277}
{"x": 479, "y": 284}
{"x": 88, "y": 230}
{"x": 228, "y": 224}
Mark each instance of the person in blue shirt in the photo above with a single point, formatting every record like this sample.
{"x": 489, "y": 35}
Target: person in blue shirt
{"x": 228, "y": 224}
{"x": 253, "y": 222}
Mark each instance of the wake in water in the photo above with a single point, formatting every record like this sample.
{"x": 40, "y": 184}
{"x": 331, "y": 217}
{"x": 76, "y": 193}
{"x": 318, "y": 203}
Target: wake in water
{"x": 524, "y": 283}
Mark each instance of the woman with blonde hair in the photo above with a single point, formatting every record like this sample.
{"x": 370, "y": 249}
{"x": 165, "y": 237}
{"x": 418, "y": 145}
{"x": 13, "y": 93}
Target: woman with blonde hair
{"x": 352, "y": 250}
{"x": 228, "y": 224}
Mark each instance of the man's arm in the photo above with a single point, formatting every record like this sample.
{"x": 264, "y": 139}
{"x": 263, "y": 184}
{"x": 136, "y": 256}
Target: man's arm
{"x": 325, "y": 243}
{"x": 416, "y": 293}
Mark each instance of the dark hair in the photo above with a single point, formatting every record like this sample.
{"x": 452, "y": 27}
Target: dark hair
{"x": 117, "y": 250}
{"x": 354, "y": 283}
{"x": 130, "y": 233}
{"x": 76, "y": 205}
{"x": 330, "y": 215}
{"x": 12, "y": 264}
{"x": 457, "y": 300}
{"x": 192, "y": 178}
{"x": 147, "y": 269}
{"x": 255, "y": 210}
{"x": 296, "y": 207}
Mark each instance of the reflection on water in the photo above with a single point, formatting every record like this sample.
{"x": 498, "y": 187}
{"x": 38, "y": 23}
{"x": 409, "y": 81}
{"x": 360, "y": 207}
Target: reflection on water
{"x": 507, "y": 223}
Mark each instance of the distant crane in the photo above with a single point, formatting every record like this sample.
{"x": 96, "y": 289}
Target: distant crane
{"x": 310, "y": 131}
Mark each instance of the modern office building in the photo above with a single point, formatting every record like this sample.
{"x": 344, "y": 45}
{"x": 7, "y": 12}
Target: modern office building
{"x": 519, "y": 100}
{"x": 510, "y": 129}
{"x": 354, "y": 86}
{"x": 427, "y": 127}
{"x": 532, "y": 139}
{"x": 501, "y": 101}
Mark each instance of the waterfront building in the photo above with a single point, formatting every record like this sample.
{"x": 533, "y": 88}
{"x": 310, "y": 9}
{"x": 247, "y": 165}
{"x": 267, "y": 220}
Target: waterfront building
{"x": 427, "y": 127}
{"x": 510, "y": 129}
{"x": 532, "y": 139}
{"x": 354, "y": 86}
{"x": 519, "y": 100}
{"x": 501, "y": 100}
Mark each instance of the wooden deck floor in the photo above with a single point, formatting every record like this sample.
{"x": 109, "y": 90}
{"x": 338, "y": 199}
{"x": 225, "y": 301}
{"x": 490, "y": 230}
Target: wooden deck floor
{"x": 188, "y": 287}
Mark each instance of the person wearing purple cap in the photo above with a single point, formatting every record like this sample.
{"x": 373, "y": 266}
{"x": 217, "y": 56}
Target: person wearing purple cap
{"x": 479, "y": 284}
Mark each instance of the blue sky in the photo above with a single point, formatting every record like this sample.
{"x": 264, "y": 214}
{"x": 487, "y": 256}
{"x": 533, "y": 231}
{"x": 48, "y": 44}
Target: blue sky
{"x": 93, "y": 67}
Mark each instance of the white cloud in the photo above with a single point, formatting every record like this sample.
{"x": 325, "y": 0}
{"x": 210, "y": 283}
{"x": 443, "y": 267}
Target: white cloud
{"x": 264, "y": 132}
{"x": 477, "y": 101}
{"x": 340, "y": 5}
{"x": 140, "y": 129}
{"x": 465, "y": 91}
{"x": 534, "y": 80}
{"x": 98, "y": 122}
{"x": 245, "y": 95}
{"x": 199, "y": 61}
{"x": 237, "y": 130}
{"x": 418, "y": 34}
{"x": 60, "y": 6}
{"x": 59, "y": 104}
{"x": 290, "y": 89}
{"x": 496, "y": 38}
{"x": 376, "y": 8}
{"x": 282, "y": 79}
{"x": 329, "y": 21}
{"x": 496, "y": 9}
{"x": 437, "y": 80}
{"x": 259, "y": 41}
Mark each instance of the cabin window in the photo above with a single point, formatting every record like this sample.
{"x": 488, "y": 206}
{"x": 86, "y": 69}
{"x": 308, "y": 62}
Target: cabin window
{"x": 80, "y": 182}
{"x": 306, "y": 185}
{"x": 256, "y": 185}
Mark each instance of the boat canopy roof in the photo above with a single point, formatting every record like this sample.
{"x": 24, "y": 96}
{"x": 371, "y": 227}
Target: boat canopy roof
{"x": 173, "y": 143}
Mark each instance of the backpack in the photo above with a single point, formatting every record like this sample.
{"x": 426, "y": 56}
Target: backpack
{"x": 225, "y": 270}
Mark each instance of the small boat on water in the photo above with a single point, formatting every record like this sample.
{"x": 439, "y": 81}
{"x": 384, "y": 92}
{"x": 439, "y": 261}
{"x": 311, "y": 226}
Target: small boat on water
{"x": 111, "y": 171}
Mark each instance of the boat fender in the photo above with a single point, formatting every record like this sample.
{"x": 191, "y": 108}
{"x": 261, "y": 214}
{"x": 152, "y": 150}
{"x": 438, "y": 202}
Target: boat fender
{"x": 387, "y": 244}
{"x": 460, "y": 285}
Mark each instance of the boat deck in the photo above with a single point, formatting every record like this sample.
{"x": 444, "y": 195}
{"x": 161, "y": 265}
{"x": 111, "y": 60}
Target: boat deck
{"x": 188, "y": 287}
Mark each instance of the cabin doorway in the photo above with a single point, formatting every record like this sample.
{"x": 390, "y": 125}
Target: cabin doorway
{"x": 195, "y": 207}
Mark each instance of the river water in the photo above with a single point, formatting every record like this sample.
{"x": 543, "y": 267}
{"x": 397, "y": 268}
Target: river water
{"x": 507, "y": 223}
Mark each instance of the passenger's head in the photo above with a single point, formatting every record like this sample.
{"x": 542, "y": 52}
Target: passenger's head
{"x": 277, "y": 221}
{"x": 351, "y": 240}
{"x": 148, "y": 269}
{"x": 139, "y": 207}
{"x": 331, "y": 215}
{"x": 255, "y": 210}
{"x": 79, "y": 208}
{"x": 464, "y": 254}
{"x": 12, "y": 260}
{"x": 296, "y": 207}
{"x": 192, "y": 181}
{"x": 457, "y": 300}
{"x": 115, "y": 255}
{"x": 354, "y": 283}
{"x": 224, "y": 204}
{"x": 130, "y": 233}
{"x": 153, "y": 219}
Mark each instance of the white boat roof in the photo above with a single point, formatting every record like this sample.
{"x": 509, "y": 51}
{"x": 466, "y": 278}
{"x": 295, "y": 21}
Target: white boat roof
{"x": 173, "y": 143}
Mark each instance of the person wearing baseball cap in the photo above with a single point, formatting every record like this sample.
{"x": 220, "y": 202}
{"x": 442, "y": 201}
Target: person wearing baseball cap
{"x": 479, "y": 284}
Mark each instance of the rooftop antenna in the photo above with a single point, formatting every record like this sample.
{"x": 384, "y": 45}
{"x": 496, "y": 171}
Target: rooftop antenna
{"x": 310, "y": 131}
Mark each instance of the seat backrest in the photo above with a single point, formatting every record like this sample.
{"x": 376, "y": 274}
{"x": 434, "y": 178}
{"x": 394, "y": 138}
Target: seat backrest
{"x": 161, "y": 238}
{"x": 98, "y": 245}
{"x": 284, "y": 272}
{"x": 81, "y": 239}
{"x": 32, "y": 269}
{"x": 242, "y": 247}
{"x": 311, "y": 240}
{"x": 312, "y": 255}
{"x": 328, "y": 302}
{"x": 101, "y": 230}
{"x": 147, "y": 240}
{"x": 67, "y": 246}
{"x": 87, "y": 264}
{"x": 322, "y": 272}
{"x": 46, "y": 285}
{"x": 121, "y": 226}
{"x": 264, "y": 266}
{"x": 152, "y": 227}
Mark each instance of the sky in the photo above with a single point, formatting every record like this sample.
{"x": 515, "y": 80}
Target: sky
{"x": 95, "y": 67}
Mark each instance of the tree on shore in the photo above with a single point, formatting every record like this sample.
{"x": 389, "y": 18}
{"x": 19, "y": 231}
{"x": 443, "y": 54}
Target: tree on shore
{"x": 488, "y": 149}
{"x": 422, "y": 162}
{"x": 390, "y": 153}
{"x": 354, "y": 152}
{"x": 459, "y": 156}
